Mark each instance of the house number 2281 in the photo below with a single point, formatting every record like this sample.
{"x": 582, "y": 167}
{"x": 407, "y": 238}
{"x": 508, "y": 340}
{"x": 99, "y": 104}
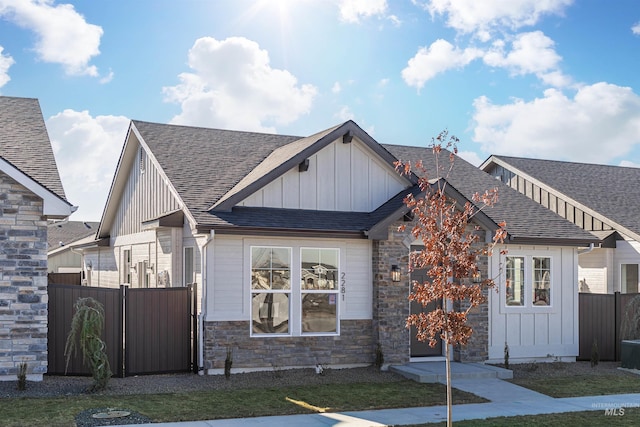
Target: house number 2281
{"x": 343, "y": 285}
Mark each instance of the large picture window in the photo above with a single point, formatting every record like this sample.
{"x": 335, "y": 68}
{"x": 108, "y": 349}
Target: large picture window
{"x": 270, "y": 290}
{"x": 294, "y": 291}
{"x": 528, "y": 281}
{"x": 319, "y": 289}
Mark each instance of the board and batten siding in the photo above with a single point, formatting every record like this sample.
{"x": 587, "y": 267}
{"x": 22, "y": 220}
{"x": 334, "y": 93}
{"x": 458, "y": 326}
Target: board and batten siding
{"x": 536, "y": 332}
{"x": 228, "y": 294}
{"x": 146, "y": 196}
{"x": 341, "y": 177}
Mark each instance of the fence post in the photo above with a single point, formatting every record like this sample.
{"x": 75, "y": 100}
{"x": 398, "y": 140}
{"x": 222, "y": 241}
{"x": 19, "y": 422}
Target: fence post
{"x": 121, "y": 327}
{"x": 193, "y": 293}
{"x": 618, "y": 322}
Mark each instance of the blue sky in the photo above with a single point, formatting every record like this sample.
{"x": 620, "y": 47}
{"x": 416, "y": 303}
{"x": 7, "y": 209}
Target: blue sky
{"x": 555, "y": 79}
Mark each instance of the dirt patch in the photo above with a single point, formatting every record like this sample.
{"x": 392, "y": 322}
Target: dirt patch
{"x": 565, "y": 369}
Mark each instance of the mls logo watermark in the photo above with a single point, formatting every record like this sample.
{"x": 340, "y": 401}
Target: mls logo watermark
{"x": 616, "y": 412}
{"x": 615, "y": 409}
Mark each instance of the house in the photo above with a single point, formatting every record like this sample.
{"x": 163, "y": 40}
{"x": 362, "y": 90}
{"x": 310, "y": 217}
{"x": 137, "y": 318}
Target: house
{"x": 61, "y": 236}
{"x": 30, "y": 194}
{"x": 292, "y": 240}
{"x": 601, "y": 199}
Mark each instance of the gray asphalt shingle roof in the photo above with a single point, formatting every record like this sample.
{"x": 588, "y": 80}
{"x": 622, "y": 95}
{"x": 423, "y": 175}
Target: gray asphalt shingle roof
{"x": 69, "y": 232}
{"x": 611, "y": 191}
{"x": 525, "y": 219}
{"x": 24, "y": 142}
{"x": 205, "y": 164}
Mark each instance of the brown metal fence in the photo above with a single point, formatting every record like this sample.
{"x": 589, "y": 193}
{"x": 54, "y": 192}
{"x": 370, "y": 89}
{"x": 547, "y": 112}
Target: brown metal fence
{"x": 147, "y": 331}
{"x": 65, "y": 278}
{"x": 600, "y": 318}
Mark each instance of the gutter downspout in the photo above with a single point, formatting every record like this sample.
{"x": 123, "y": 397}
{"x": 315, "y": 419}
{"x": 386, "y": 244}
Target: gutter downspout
{"x": 203, "y": 302}
{"x": 586, "y": 251}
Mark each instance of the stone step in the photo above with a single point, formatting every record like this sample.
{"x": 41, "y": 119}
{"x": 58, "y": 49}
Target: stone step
{"x": 435, "y": 372}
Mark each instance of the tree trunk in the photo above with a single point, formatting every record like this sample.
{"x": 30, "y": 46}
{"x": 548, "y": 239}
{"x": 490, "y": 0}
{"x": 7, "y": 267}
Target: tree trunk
{"x": 449, "y": 396}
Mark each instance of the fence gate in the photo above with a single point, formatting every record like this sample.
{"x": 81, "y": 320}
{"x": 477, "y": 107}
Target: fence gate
{"x": 600, "y": 320}
{"x": 147, "y": 331}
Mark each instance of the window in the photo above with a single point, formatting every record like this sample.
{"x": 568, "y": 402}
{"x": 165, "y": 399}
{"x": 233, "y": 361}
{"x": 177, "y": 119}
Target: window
{"x": 294, "y": 291}
{"x": 319, "y": 285}
{"x": 188, "y": 268}
{"x": 126, "y": 266}
{"x": 528, "y": 281}
{"x": 515, "y": 280}
{"x": 270, "y": 290}
{"x": 541, "y": 281}
{"x": 629, "y": 278}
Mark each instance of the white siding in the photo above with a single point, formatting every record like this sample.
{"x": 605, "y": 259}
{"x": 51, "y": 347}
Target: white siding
{"x": 228, "y": 264}
{"x": 627, "y": 252}
{"x": 536, "y": 332}
{"x": 595, "y": 272}
{"x": 341, "y": 177}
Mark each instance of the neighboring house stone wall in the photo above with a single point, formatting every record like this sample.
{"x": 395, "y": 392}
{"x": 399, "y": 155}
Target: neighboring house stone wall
{"x": 354, "y": 346}
{"x": 23, "y": 281}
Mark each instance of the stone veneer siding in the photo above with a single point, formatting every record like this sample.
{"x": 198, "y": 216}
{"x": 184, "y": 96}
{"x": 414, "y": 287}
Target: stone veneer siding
{"x": 354, "y": 346}
{"x": 23, "y": 281}
{"x": 391, "y": 304}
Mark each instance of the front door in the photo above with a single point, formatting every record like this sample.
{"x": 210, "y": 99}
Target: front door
{"x": 418, "y": 348}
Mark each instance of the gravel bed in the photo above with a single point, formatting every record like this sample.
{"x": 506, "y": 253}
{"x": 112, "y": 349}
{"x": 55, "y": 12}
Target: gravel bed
{"x": 565, "y": 369}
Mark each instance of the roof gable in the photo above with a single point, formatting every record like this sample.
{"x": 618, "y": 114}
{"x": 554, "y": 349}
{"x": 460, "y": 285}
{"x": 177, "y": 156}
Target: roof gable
{"x": 608, "y": 193}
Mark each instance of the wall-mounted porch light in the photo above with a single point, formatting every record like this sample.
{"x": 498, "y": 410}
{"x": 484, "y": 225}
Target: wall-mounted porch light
{"x": 477, "y": 277}
{"x": 395, "y": 273}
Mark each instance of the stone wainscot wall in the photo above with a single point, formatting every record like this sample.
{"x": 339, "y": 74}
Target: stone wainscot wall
{"x": 23, "y": 282}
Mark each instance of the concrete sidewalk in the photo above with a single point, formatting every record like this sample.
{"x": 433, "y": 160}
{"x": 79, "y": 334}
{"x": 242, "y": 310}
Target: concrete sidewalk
{"x": 506, "y": 399}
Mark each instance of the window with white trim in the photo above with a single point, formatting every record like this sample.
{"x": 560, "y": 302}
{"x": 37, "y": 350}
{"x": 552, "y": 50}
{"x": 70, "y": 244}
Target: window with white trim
{"x": 294, "y": 293}
{"x": 528, "y": 281}
{"x": 319, "y": 284}
{"x": 270, "y": 290}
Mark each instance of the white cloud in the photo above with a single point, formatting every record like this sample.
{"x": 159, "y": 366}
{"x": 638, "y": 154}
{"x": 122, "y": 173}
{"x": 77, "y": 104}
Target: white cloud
{"x": 345, "y": 114}
{"x": 353, "y": 10}
{"x": 437, "y": 58}
{"x": 87, "y": 150}
{"x": 63, "y": 35}
{"x": 600, "y": 123}
{"x": 629, "y": 164}
{"x": 531, "y": 53}
{"x": 482, "y": 17}
{"x": 336, "y": 88}
{"x": 471, "y": 157}
{"x": 636, "y": 29}
{"x": 6, "y": 61}
{"x": 233, "y": 86}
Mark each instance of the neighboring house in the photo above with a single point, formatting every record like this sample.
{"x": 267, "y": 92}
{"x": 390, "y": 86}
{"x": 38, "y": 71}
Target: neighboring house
{"x": 292, "y": 240}
{"x": 30, "y": 193}
{"x": 602, "y": 199}
{"x": 61, "y": 236}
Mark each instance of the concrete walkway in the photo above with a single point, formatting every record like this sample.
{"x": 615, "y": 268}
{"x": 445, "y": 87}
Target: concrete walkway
{"x": 506, "y": 399}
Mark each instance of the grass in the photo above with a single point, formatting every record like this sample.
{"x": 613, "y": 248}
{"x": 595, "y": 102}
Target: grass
{"x": 582, "y": 385}
{"x": 61, "y": 411}
{"x": 631, "y": 417}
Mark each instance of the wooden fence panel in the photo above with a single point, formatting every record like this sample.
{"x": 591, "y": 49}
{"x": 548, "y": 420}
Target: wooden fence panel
{"x": 60, "y": 312}
{"x": 158, "y": 340}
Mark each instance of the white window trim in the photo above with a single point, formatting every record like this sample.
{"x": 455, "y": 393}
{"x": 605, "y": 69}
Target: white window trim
{"x": 335, "y": 291}
{"x": 528, "y": 307}
{"x": 295, "y": 313}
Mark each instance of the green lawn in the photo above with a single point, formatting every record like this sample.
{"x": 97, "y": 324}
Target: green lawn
{"x": 582, "y": 385}
{"x": 191, "y": 406}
